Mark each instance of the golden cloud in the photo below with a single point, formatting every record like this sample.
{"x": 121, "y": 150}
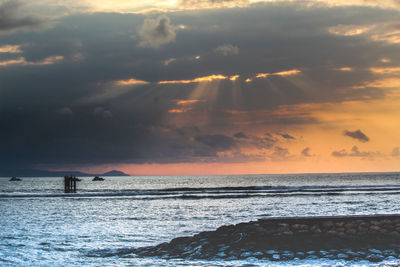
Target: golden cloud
{"x": 22, "y": 61}
{"x": 209, "y": 78}
{"x": 130, "y": 82}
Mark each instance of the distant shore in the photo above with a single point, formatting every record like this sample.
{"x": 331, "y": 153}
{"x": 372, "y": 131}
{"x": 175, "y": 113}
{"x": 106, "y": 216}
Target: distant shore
{"x": 373, "y": 238}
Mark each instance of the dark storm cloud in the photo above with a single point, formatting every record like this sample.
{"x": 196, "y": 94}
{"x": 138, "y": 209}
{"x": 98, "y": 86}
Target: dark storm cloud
{"x": 73, "y": 112}
{"x": 357, "y": 134}
{"x": 218, "y": 142}
{"x": 11, "y": 17}
{"x": 240, "y": 135}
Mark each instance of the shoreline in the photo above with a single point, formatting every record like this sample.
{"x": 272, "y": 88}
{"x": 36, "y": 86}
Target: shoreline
{"x": 353, "y": 237}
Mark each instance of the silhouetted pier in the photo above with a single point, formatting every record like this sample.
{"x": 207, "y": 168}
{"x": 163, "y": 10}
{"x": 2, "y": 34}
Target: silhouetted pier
{"x": 70, "y": 184}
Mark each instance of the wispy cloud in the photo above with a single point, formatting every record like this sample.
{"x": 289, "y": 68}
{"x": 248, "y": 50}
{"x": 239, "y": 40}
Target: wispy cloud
{"x": 22, "y": 61}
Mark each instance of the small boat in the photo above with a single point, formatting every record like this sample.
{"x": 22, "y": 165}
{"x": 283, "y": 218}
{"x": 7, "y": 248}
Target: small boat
{"x": 15, "y": 179}
{"x": 97, "y": 178}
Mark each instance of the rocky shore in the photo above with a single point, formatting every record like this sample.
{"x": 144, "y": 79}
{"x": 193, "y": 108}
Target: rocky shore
{"x": 373, "y": 238}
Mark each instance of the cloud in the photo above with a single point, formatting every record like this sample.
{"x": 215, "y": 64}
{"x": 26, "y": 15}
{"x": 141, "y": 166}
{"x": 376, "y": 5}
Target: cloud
{"x": 209, "y": 78}
{"x": 12, "y": 19}
{"x": 240, "y": 135}
{"x": 355, "y": 152}
{"x": 212, "y": 3}
{"x": 10, "y": 49}
{"x": 157, "y": 32}
{"x": 131, "y": 81}
{"x": 227, "y": 49}
{"x": 382, "y": 32}
{"x": 358, "y": 135}
{"x": 141, "y": 128}
{"x": 306, "y": 152}
{"x": 100, "y": 111}
{"x": 23, "y": 62}
{"x": 218, "y": 142}
{"x": 396, "y": 152}
{"x": 287, "y": 136}
{"x": 65, "y": 111}
{"x": 280, "y": 154}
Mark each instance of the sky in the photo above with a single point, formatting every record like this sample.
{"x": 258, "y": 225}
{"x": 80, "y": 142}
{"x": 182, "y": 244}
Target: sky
{"x": 180, "y": 87}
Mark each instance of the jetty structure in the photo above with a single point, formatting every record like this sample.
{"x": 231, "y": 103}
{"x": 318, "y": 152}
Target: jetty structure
{"x": 70, "y": 184}
{"x": 372, "y": 238}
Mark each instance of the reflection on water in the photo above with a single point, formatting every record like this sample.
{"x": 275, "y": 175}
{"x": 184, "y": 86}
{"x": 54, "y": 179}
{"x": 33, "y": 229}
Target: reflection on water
{"x": 47, "y": 228}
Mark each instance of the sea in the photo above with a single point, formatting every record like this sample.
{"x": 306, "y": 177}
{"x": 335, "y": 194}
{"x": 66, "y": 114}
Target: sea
{"x": 40, "y": 225}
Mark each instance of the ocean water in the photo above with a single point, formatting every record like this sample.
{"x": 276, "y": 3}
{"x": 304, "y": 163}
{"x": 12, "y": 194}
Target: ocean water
{"x": 40, "y": 225}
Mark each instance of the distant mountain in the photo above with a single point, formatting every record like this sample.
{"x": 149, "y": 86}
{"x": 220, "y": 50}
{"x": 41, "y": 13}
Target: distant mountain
{"x": 114, "y": 173}
{"x": 45, "y": 173}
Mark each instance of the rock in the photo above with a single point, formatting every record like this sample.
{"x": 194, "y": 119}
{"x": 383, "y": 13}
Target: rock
{"x": 342, "y": 256}
{"x": 287, "y": 255}
{"x": 287, "y": 233}
{"x": 312, "y": 257}
{"x": 323, "y": 253}
{"x": 328, "y": 224}
{"x": 351, "y": 231}
{"x": 395, "y": 233}
{"x": 258, "y": 255}
{"x": 374, "y": 251}
{"x": 299, "y": 227}
{"x": 375, "y": 228}
{"x": 276, "y": 257}
{"x": 221, "y": 255}
{"x": 362, "y": 230}
{"x": 383, "y": 231}
{"x": 300, "y": 254}
{"x": 333, "y": 251}
{"x": 389, "y": 252}
{"x": 352, "y": 254}
{"x": 375, "y": 258}
{"x": 271, "y": 252}
{"x": 339, "y": 224}
{"x": 350, "y": 225}
{"x": 332, "y": 232}
{"x": 331, "y": 257}
{"x": 246, "y": 255}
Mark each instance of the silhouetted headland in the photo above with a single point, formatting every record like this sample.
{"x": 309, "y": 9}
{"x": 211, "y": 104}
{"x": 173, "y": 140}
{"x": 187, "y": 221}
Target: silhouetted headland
{"x": 45, "y": 173}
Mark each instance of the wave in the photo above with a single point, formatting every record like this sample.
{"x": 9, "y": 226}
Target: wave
{"x": 221, "y": 192}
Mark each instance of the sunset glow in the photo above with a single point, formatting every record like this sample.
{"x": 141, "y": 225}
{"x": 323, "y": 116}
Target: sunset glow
{"x": 185, "y": 87}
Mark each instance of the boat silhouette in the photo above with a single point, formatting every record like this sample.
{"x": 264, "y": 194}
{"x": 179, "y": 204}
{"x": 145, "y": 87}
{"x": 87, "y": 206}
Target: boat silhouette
{"x": 97, "y": 178}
